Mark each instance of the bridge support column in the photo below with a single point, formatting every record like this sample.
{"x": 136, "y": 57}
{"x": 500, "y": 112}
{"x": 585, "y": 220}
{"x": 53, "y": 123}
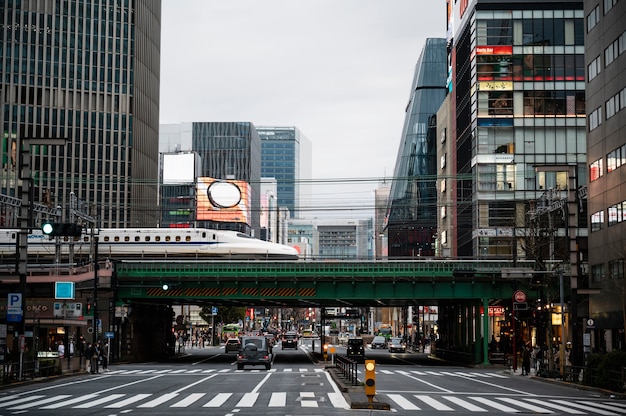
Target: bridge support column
{"x": 485, "y": 331}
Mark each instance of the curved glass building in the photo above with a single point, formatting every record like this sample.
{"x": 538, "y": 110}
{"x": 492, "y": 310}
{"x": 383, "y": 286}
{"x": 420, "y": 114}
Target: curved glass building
{"x": 412, "y": 207}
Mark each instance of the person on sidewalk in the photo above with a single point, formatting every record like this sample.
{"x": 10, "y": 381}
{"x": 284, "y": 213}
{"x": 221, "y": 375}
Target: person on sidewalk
{"x": 526, "y": 360}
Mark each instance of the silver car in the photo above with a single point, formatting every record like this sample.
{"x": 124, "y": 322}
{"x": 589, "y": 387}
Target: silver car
{"x": 396, "y": 344}
{"x": 378, "y": 342}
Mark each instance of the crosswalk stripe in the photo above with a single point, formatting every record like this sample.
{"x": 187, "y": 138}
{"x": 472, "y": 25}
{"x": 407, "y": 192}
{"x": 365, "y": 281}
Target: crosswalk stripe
{"x": 98, "y": 402}
{"x": 386, "y": 371}
{"x": 126, "y": 402}
{"x": 19, "y": 400}
{"x": 401, "y": 401}
{"x": 40, "y": 402}
{"x": 586, "y": 408}
{"x": 495, "y": 405}
{"x": 192, "y": 398}
{"x": 159, "y": 400}
{"x": 465, "y": 404}
{"x": 525, "y": 405}
{"x": 497, "y": 375}
{"x": 218, "y": 400}
{"x": 278, "y": 399}
{"x": 435, "y": 404}
{"x": 551, "y": 405}
{"x": 603, "y": 406}
{"x": 338, "y": 400}
{"x": 70, "y": 401}
{"x": 248, "y": 400}
{"x": 419, "y": 373}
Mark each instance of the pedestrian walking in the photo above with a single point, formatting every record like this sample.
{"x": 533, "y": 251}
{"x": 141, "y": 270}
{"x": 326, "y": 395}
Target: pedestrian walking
{"x": 526, "y": 361}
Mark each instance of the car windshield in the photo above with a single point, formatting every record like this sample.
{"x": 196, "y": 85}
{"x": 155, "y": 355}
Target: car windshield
{"x": 396, "y": 340}
{"x": 355, "y": 341}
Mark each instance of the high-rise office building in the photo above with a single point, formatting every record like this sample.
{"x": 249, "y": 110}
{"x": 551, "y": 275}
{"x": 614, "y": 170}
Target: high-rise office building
{"x": 286, "y": 156}
{"x": 605, "y": 60}
{"x": 517, "y": 80}
{"x": 88, "y": 72}
{"x": 411, "y": 226}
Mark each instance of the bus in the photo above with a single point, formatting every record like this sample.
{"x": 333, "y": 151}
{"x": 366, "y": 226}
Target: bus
{"x": 230, "y": 331}
{"x": 385, "y": 331}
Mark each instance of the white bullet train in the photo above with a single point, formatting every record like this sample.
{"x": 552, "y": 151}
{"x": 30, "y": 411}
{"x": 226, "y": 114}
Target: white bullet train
{"x": 152, "y": 243}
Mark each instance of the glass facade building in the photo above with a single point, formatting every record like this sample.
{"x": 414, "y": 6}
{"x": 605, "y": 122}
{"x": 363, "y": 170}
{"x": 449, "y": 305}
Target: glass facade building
{"x": 411, "y": 224}
{"x": 286, "y": 156}
{"x": 88, "y": 72}
{"x": 518, "y": 124}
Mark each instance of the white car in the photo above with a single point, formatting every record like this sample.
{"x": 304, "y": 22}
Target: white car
{"x": 396, "y": 344}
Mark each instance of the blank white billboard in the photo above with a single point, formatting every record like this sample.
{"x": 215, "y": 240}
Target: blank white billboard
{"x": 179, "y": 168}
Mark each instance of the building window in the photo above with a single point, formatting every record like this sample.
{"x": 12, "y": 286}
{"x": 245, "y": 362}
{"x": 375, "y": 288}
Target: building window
{"x": 595, "y": 119}
{"x": 443, "y": 212}
{"x": 443, "y": 161}
{"x": 443, "y": 185}
{"x": 594, "y": 69}
{"x": 616, "y": 269}
{"x": 596, "y": 170}
{"x": 597, "y": 221}
{"x": 608, "y": 5}
{"x": 444, "y": 237}
{"x": 593, "y": 18}
{"x": 615, "y": 49}
{"x": 597, "y": 273}
{"x": 616, "y": 213}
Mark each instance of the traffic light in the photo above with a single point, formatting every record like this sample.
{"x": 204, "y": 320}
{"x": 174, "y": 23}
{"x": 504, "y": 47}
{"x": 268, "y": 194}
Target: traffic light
{"x": 62, "y": 229}
{"x": 370, "y": 379}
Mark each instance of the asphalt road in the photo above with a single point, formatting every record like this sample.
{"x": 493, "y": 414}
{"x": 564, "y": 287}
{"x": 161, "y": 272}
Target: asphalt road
{"x": 206, "y": 381}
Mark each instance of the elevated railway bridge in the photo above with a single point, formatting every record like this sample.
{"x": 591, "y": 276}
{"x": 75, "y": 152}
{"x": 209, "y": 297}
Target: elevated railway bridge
{"x": 462, "y": 289}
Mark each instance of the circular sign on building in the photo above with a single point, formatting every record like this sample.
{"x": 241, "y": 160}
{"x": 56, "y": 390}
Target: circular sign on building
{"x": 519, "y": 296}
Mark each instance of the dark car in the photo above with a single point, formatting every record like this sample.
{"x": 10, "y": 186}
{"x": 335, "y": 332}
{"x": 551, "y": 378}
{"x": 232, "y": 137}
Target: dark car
{"x": 356, "y": 350}
{"x": 290, "y": 340}
{"x": 254, "y": 351}
{"x": 232, "y": 345}
{"x": 379, "y": 342}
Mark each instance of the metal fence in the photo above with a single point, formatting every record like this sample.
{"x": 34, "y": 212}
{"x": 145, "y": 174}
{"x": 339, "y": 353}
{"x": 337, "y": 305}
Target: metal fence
{"x": 348, "y": 369}
{"x": 13, "y": 372}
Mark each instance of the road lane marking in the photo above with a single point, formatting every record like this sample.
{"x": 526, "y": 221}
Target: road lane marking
{"x": 99, "y": 401}
{"x": 587, "y": 408}
{"x": 465, "y": 404}
{"x": 427, "y": 383}
{"x": 40, "y": 402}
{"x": 71, "y": 401}
{"x": 495, "y": 405}
{"x": 159, "y": 400}
{"x": 434, "y": 403}
{"x": 248, "y": 400}
{"x": 278, "y": 399}
{"x": 218, "y": 400}
{"x": 20, "y": 400}
{"x": 525, "y": 405}
{"x": 187, "y": 401}
{"x": 568, "y": 410}
{"x": 193, "y": 384}
{"x": 130, "y": 400}
{"x": 403, "y": 402}
{"x": 336, "y": 397}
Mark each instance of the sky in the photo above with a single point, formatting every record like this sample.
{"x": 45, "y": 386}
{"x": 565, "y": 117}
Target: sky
{"x": 338, "y": 70}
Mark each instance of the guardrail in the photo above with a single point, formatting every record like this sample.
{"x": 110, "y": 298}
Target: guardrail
{"x": 12, "y": 372}
{"x": 348, "y": 368}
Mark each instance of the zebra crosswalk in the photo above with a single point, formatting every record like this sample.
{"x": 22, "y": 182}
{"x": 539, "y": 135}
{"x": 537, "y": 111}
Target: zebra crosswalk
{"x": 482, "y": 404}
{"x": 174, "y": 401}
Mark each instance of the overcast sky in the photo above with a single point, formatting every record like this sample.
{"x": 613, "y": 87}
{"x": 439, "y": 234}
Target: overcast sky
{"x": 338, "y": 70}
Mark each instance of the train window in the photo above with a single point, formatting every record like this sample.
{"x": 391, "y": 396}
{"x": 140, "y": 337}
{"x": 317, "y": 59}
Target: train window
{"x": 147, "y": 238}
{"x": 214, "y": 236}
{"x": 177, "y": 238}
{"x": 203, "y": 234}
{"x": 168, "y": 238}
{"x": 116, "y": 238}
{"x": 188, "y": 238}
{"x": 106, "y": 238}
{"x": 137, "y": 238}
{"x": 126, "y": 238}
{"x": 157, "y": 238}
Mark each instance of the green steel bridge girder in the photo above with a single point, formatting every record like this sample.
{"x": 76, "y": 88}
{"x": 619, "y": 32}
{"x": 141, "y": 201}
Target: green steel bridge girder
{"x": 315, "y": 283}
